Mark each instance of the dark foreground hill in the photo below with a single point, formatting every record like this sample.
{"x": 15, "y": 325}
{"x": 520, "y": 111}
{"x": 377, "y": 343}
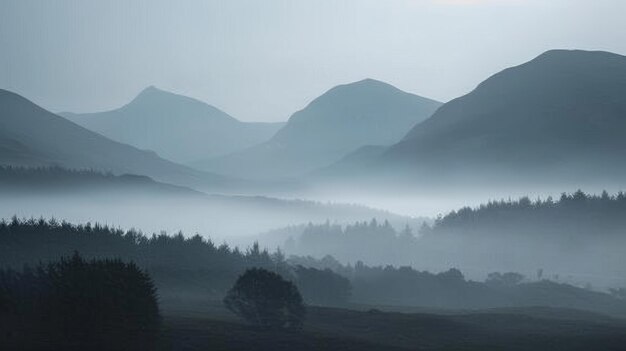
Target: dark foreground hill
{"x": 208, "y": 326}
{"x": 192, "y": 275}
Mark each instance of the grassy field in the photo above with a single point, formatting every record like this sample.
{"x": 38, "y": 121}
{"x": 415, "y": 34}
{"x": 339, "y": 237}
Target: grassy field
{"x": 208, "y": 326}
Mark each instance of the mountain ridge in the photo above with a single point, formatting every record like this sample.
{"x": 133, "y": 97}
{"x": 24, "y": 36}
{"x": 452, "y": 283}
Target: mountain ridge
{"x": 32, "y": 136}
{"x": 177, "y": 127}
{"x": 558, "y": 116}
{"x": 344, "y": 118}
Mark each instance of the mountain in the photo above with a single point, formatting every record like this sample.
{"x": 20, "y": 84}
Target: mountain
{"x": 561, "y": 116}
{"x": 33, "y": 136}
{"x": 46, "y": 182}
{"x": 366, "y": 112}
{"x": 177, "y": 127}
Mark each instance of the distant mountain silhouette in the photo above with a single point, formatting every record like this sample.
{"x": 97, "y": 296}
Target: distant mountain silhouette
{"x": 177, "y": 127}
{"x": 343, "y": 119}
{"x": 563, "y": 114}
{"x": 50, "y": 181}
{"x": 33, "y": 136}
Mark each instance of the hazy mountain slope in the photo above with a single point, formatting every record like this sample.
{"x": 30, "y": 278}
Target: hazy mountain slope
{"x": 177, "y": 127}
{"x": 343, "y": 119}
{"x": 55, "y": 181}
{"x": 140, "y": 202}
{"x": 564, "y": 110}
{"x": 32, "y": 136}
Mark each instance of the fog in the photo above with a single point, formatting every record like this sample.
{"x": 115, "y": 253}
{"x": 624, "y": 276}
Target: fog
{"x": 585, "y": 250}
{"x": 313, "y": 175}
{"x": 232, "y": 219}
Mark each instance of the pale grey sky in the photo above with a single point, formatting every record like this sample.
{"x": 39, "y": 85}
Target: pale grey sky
{"x": 264, "y": 59}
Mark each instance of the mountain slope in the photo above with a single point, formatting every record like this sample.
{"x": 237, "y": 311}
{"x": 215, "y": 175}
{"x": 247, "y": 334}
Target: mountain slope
{"x": 33, "y": 136}
{"x": 55, "y": 181}
{"x": 560, "y": 116}
{"x": 343, "y": 119}
{"x": 177, "y": 127}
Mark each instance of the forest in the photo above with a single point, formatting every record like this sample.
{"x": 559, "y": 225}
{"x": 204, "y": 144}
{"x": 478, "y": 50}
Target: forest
{"x": 575, "y": 214}
{"x": 196, "y": 268}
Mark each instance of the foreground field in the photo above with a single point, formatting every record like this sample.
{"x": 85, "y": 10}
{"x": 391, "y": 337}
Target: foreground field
{"x": 210, "y": 327}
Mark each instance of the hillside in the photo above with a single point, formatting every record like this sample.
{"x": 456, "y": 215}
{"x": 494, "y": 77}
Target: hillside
{"x": 33, "y": 136}
{"x": 561, "y": 114}
{"x": 176, "y": 127}
{"x": 338, "y": 122}
{"x": 25, "y": 182}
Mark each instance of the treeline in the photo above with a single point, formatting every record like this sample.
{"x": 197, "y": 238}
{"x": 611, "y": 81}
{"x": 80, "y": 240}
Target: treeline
{"x": 184, "y": 267}
{"x": 75, "y": 304}
{"x": 177, "y": 264}
{"x": 371, "y": 241}
{"x": 30, "y": 175}
{"x": 30, "y": 179}
{"x": 577, "y": 213}
{"x": 406, "y": 286}
{"x": 579, "y": 237}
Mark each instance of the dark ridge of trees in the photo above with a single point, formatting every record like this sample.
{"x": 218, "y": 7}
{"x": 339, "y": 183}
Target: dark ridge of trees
{"x": 405, "y": 286}
{"x": 75, "y": 304}
{"x": 576, "y": 213}
{"x": 579, "y": 237}
{"x": 266, "y": 300}
{"x": 54, "y": 179}
{"x": 55, "y": 175}
{"x": 176, "y": 263}
{"x": 197, "y": 266}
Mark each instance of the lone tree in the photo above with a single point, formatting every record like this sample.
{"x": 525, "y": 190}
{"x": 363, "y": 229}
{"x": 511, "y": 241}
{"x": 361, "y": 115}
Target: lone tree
{"x": 266, "y": 300}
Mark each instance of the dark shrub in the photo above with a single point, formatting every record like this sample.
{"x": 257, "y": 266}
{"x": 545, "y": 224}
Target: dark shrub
{"x": 266, "y": 300}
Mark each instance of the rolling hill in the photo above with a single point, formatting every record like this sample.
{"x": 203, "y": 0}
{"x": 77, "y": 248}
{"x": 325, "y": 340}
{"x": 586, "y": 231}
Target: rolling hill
{"x": 176, "y": 127}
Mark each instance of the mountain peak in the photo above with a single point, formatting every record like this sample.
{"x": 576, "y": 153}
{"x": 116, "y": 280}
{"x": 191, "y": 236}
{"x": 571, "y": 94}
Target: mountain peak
{"x": 177, "y": 127}
{"x": 152, "y": 91}
{"x": 562, "y": 56}
{"x": 367, "y": 83}
{"x": 163, "y": 102}
{"x": 564, "y": 109}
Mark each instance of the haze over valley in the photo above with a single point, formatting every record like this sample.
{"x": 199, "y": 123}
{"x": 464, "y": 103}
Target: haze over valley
{"x": 347, "y": 200}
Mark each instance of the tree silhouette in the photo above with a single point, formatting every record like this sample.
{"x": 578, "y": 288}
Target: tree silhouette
{"x": 266, "y": 300}
{"x": 75, "y": 304}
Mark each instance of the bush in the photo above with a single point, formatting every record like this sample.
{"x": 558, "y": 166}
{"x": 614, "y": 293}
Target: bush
{"x": 266, "y": 300}
{"x": 78, "y": 304}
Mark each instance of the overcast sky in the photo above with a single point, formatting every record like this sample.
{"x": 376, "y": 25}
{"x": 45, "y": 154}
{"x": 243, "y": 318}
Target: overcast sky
{"x": 262, "y": 60}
